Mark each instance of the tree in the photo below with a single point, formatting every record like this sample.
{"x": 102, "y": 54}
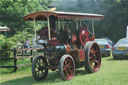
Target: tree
{"x": 12, "y": 12}
{"x": 115, "y": 15}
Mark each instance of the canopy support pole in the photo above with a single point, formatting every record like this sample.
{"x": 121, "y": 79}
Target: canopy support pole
{"x": 59, "y": 23}
{"x": 35, "y": 28}
{"x": 49, "y": 34}
{"x": 93, "y": 27}
{"x": 63, "y": 23}
{"x": 80, "y": 23}
{"x": 77, "y": 27}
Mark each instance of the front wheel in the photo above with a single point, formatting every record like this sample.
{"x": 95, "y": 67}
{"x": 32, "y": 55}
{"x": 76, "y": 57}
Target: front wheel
{"x": 92, "y": 57}
{"x": 66, "y": 67}
{"x": 39, "y": 70}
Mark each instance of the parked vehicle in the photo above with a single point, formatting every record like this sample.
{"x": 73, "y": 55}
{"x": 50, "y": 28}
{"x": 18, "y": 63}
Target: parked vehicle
{"x": 109, "y": 41}
{"x": 104, "y": 46}
{"x": 120, "y": 49}
{"x": 64, "y": 48}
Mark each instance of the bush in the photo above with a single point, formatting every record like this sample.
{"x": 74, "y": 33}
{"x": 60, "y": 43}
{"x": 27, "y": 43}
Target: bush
{"x": 11, "y": 43}
{"x": 4, "y": 53}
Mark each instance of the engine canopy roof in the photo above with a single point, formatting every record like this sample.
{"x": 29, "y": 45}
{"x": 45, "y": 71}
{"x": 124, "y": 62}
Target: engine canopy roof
{"x": 42, "y": 15}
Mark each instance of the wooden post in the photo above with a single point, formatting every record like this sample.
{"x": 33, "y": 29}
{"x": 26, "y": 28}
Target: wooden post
{"x": 32, "y": 56}
{"x": 22, "y": 51}
{"x": 15, "y": 60}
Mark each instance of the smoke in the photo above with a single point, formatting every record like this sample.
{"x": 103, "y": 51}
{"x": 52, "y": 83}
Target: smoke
{"x": 90, "y": 6}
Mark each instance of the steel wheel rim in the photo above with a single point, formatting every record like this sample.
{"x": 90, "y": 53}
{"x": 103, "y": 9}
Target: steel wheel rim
{"x": 95, "y": 57}
{"x": 68, "y": 68}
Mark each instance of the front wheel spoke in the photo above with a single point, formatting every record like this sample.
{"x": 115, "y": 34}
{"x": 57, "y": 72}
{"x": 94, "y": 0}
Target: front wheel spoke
{"x": 38, "y": 63}
{"x": 64, "y": 68}
{"x": 65, "y": 62}
{"x": 38, "y": 73}
{"x": 37, "y": 66}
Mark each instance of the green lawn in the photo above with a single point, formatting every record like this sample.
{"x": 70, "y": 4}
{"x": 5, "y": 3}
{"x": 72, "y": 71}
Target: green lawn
{"x": 112, "y": 72}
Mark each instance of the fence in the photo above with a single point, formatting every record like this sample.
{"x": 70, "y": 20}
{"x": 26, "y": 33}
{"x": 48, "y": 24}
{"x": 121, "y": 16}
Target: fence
{"x": 20, "y": 56}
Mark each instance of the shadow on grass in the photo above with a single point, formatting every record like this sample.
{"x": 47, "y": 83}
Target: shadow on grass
{"x": 52, "y": 78}
{"x": 80, "y": 72}
{"x": 112, "y": 59}
{"x": 11, "y": 70}
{"x": 29, "y": 80}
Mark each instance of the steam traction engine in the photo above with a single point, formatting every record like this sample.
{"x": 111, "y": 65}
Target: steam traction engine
{"x": 66, "y": 46}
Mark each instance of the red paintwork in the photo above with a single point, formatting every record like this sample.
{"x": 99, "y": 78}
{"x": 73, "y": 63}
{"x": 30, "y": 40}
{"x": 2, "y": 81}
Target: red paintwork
{"x": 92, "y": 38}
{"x": 53, "y": 42}
{"x": 44, "y": 32}
{"x": 68, "y": 69}
{"x": 81, "y": 55}
{"x": 95, "y": 59}
{"x": 84, "y": 35}
{"x": 74, "y": 38}
{"x": 68, "y": 48}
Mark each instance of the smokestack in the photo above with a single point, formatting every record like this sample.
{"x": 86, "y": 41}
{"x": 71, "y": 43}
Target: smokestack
{"x": 51, "y": 8}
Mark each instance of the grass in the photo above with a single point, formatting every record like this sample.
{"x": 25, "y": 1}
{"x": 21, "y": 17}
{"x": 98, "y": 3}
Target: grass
{"x": 112, "y": 72}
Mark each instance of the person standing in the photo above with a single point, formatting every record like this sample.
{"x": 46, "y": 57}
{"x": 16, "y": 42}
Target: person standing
{"x": 28, "y": 43}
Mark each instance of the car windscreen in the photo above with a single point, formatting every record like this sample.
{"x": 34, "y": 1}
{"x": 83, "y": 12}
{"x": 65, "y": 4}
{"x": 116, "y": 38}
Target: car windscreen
{"x": 101, "y": 41}
{"x": 122, "y": 42}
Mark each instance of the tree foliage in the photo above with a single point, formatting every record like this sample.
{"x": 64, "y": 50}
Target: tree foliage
{"x": 113, "y": 25}
{"x": 12, "y": 12}
{"x": 115, "y": 12}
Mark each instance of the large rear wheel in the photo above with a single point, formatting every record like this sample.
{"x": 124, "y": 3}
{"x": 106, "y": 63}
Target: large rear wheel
{"x": 92, "y": 57}
{"x": 66, "y": 67}
{"x": 39, "y": 70}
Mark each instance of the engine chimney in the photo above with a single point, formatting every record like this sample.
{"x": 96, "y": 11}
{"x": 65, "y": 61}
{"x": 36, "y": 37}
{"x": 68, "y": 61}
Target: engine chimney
{"x": 51, "y": 8}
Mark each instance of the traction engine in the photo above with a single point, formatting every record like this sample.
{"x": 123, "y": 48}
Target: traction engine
{"x": 65, "y": 50}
